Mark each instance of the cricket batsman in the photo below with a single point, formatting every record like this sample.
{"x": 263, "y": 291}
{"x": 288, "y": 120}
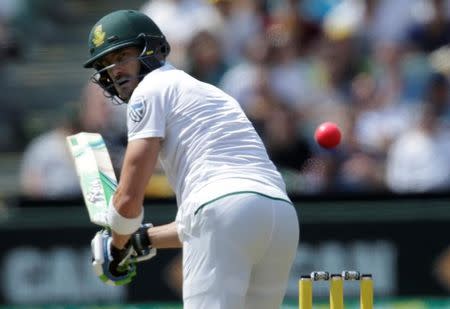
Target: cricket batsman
{"x": 238, "y": 228}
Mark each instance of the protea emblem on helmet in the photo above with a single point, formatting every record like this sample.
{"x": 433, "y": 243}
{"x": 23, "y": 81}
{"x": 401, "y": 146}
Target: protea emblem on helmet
{"x": 99, "y": 36}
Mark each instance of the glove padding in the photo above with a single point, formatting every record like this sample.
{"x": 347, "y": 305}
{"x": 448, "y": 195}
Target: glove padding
{"x": 142, "y": 245}
{"x": 113, "y": 266}
{"x": 118, "y": 266}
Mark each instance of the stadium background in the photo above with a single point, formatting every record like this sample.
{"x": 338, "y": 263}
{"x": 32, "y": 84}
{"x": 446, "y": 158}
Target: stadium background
{"x": 379, "y": 203}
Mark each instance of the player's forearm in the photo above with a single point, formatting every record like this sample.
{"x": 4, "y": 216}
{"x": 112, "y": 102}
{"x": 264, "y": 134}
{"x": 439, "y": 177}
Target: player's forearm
{"x": 139, "y": 162}
{"x": 164, "y": 236}
{"x": 140, "y": 159}
{"x": 126, "y": 204}
{"x": 127, "y": 208}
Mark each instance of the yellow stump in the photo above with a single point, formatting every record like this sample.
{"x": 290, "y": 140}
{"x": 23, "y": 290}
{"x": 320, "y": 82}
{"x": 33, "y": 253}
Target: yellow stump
{"x": 366, "y": 292}
{"x": 336, "y": 292}
{"x": 305, "y": 293}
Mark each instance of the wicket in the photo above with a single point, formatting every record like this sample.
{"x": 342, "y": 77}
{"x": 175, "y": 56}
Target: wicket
{"x": 305, "y": 300}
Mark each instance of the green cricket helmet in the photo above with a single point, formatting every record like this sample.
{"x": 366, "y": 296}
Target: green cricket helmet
{"x": 122, "y": 29}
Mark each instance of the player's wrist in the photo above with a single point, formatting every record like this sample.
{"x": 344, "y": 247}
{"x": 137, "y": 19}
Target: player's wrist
{"x": 120, "y": 241}
{"x": 140, "y": 240}
{"x": 117, "y": 253}
{"x": 122, "y": 225}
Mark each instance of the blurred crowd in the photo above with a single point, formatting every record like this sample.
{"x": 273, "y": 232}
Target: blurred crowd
{"x": 378, "y": 68}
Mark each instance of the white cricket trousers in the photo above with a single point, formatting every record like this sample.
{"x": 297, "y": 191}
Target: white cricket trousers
{"x": 238, "y": 253}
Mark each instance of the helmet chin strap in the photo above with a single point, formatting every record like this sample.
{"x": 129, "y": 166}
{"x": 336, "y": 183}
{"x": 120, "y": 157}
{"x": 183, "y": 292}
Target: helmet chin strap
{"x": 109, "y": 90}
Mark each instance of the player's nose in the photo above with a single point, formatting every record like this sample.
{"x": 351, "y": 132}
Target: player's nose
{"x": 116, "y": 71}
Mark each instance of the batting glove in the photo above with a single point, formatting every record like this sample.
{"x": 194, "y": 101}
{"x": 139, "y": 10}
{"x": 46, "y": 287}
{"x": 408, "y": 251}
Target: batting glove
{"x": 113, "y": 266}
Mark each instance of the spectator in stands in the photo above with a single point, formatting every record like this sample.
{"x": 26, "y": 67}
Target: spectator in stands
{"x": 180, "y": 20}
{"x": 418, "y": 161}
{"x": 360, "y": 169}
{"x": 205, "y": 59}
{"x": 241, "y": 21}
{"x": 386, "y": 114}
{"x": 241, "y": 80}
{"x": 385, "y": 22}
{"x": 286, "y": 146}
{"x": 432, "y": 31}
{"x": 47, "y": 170}
{"x": 297, "y": 21}
{"x": 287, "y": 74}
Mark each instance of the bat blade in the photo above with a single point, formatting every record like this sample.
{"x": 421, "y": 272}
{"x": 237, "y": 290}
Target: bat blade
{"x": 96, "y": 174}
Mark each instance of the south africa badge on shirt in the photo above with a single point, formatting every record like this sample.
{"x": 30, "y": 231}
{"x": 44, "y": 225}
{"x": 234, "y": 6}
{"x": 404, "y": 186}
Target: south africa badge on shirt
{"x": 137, "y": 109}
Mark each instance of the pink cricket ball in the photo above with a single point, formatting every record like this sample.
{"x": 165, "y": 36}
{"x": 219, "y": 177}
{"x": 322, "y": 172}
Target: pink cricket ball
{"x": 328, "y": 135}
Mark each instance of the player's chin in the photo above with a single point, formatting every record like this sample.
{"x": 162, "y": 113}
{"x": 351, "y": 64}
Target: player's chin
{"x": 125, "y": 94}
{"x": 125, "y": 91}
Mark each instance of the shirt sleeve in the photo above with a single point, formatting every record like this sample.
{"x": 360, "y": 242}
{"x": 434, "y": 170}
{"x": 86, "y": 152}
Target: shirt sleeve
{"x": 146, "y": 116}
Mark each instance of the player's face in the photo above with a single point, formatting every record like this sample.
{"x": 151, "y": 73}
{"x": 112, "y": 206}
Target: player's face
{"x": 124, "y": 70}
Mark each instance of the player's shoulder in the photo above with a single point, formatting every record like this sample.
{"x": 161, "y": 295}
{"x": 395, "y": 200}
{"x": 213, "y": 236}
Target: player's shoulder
{"x": 164, "y": 79}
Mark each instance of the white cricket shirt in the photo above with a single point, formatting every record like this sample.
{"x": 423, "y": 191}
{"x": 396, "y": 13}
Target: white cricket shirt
{"x": 209, "y": 147}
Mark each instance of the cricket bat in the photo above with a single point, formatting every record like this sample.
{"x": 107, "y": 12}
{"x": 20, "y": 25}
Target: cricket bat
{"x": 95, "y": 171}
{"x": 98, "y": 181}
